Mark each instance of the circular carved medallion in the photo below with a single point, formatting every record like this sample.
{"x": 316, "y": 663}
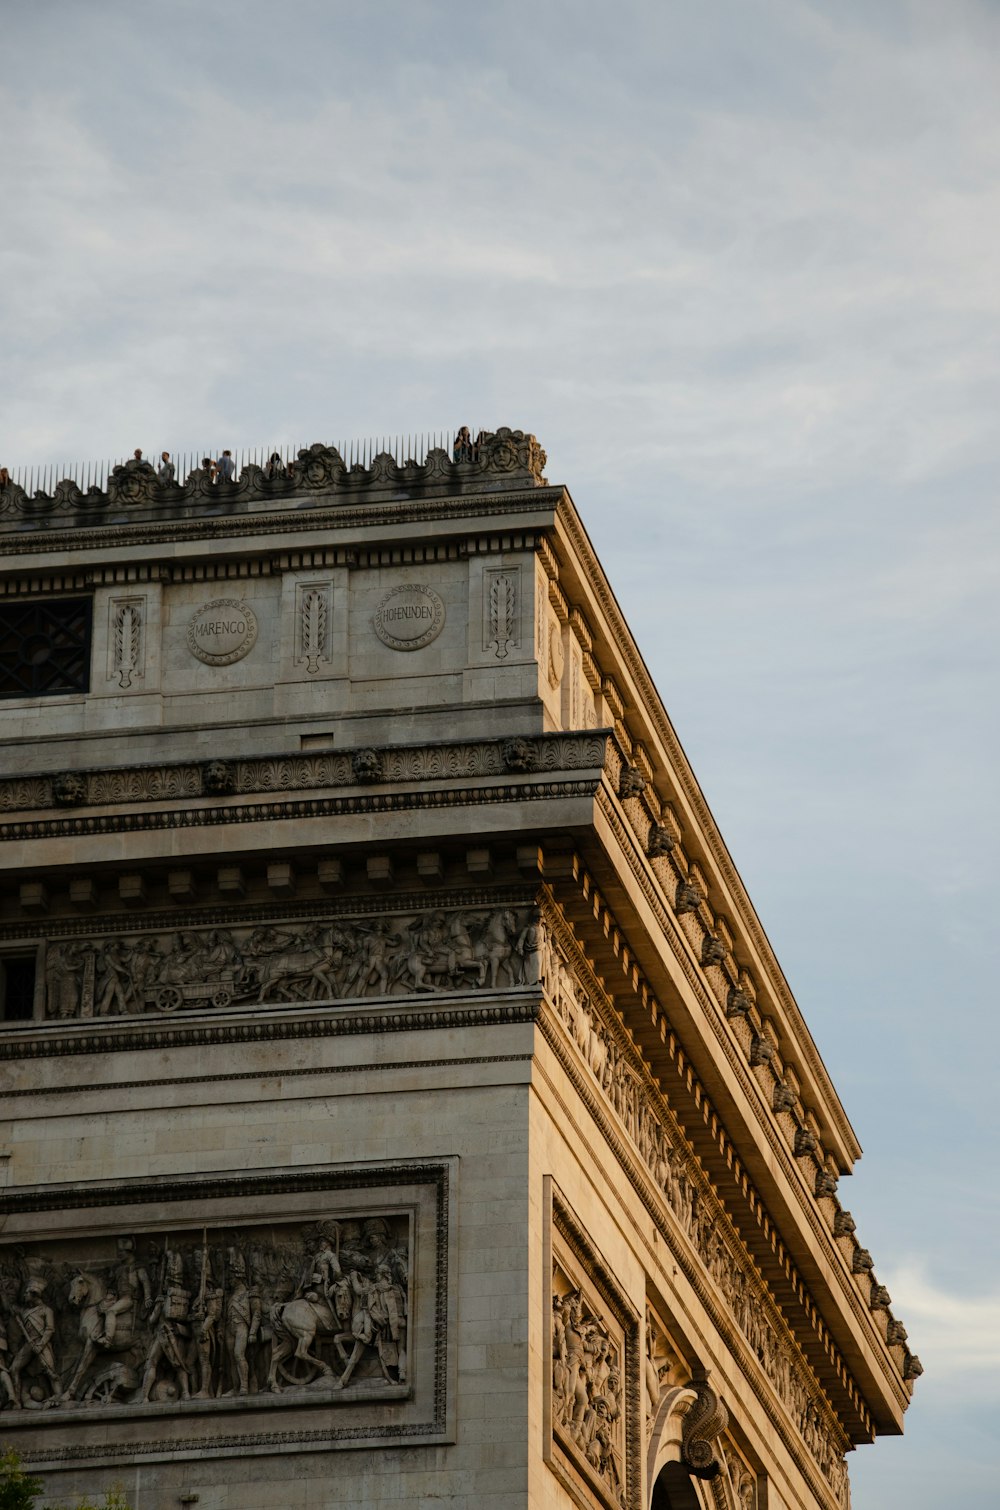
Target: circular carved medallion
{"x": 222, "y": 632}
{"x": 409, "y": 617}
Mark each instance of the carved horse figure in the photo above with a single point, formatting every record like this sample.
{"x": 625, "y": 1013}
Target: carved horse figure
{"x": 296, "y": 1323}
{"x": 496, "y": 947}
{"x": 107, "y": 1326}
{"x": 281, "y": 961}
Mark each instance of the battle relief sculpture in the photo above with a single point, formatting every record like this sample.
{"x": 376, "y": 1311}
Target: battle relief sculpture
{"x": 206, "y": 1315}
{"x": 588, "y": 1389}
{"x": 350, "y": 958}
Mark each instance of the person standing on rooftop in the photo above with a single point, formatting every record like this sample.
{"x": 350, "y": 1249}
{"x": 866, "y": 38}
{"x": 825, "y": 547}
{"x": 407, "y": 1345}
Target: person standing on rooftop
{"x": 166, "y": 471}
{"x": 224, "y": 467}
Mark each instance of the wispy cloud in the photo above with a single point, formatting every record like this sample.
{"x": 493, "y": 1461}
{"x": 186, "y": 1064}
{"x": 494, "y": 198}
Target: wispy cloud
{"x": 955, "y": 1332}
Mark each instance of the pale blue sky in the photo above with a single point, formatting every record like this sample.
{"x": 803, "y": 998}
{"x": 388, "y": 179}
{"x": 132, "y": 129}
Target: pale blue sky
{"x": 735, "y": 264}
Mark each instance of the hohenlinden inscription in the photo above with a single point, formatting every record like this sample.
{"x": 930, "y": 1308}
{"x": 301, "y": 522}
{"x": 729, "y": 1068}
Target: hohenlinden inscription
{"x": 222, "y": 632}
{"x": 409, "y": 617}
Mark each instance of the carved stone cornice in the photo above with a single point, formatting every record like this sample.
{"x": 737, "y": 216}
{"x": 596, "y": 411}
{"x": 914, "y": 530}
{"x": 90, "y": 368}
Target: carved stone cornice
{"x": 707, "y": 830}
{"x": 670, "y": 1210}
{"x": 765, "y": 1115}
{"x": 288, "y": 1072}
{"x": 682, "y": 1252}
{"x": 273, "y": 1025}
{"x": 295, "y": 809}
{"x": 129, "y": 785}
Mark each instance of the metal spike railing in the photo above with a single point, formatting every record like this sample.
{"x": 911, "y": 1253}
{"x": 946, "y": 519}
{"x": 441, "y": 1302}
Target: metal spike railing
{"x": 356, "y": 453}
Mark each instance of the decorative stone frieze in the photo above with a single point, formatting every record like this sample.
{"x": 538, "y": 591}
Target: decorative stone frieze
{"x": 590, "y": 1022}
{"x": 290, "y": 773}
{"x": 198, "y": 968}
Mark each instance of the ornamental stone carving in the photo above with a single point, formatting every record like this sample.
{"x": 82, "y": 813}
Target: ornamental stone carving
{"x": 205, "y": 968}
{"x": 206, "y": 1315}
{"x": 713, "y": 950}
{"x": 366, "y": 765}
{"x": 706, "y": 1420}
{"x": 409, "y": 617}
{"x": 588, "y": 1395}
{"x": 222, "y": 631}
{"x": 518, "y": 755}
{"x": 501, "y": 459}
{"x": 218, "y": 778}
{"x": 761, "y": 1051}
{"x": 783, "y": 1098}
{"x": 69, "y": 789}
{"x": 510, "y": 453}
{"x": 631, "y": 783}
{"x": 738, "y": 1003}
{"x": 661, "y": 841}
{"x": 588, "y": 1021}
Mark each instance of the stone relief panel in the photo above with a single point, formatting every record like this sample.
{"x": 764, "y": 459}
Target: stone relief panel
{"x": 217, "y": 1313}
{"x": 502, "y": 611}
{"x": 590, "y": 1023}
{"x": 127, "y": 641}
{"x": 663, "y": 1368}
{"x": 588, "y": 1383}
{"x": 313, "y": 624}
{"x": 293, "y": 961}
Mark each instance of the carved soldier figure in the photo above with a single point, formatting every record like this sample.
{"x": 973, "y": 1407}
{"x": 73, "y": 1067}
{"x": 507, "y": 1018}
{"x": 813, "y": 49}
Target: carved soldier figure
{"x": 530, "y": 945}
{"x": 145, "y": 965}
{"x": 387, "y": 1308}
{"x": 63, "y": 969}
{"x": 323, "y": 1269}
{"x": 206, "y": 1314}
{"x": 129, "y": 1296}
{"x": 378, "y": 1249}
{"x": 8, "y": 1394}
{"x": 172, "y": 1335}
{"x": 113, "y": 992}
{"x": 377, "y": 948}
{"x": 242, "y": 1318}
{"x": 37, "y": 1322}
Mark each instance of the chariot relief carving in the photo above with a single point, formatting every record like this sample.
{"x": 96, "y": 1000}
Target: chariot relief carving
{"x": 205, "y": 1315}
{"x": 347, "y": 958}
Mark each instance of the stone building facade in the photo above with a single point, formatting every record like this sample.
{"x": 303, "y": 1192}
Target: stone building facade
{"x": 401, "y": 1100}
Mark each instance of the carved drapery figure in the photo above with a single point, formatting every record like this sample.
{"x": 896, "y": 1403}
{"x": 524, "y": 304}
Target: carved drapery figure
{"x": 35, "y": 1320}
{"x": 587, "y": 1384}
